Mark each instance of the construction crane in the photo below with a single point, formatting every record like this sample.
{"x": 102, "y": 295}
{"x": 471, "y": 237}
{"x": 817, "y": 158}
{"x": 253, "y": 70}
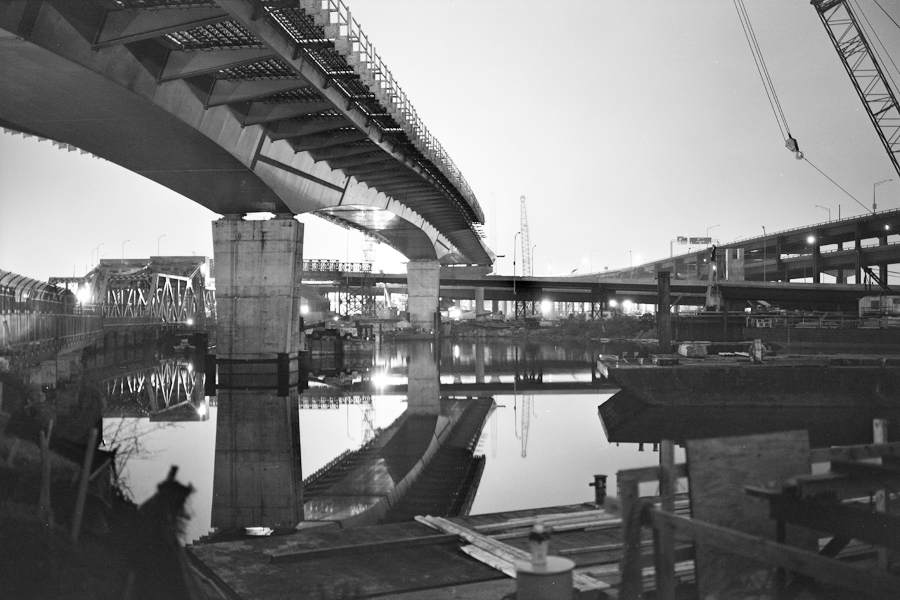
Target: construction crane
{"x": 526, "y": 245}
{"x": 861, "y": 60}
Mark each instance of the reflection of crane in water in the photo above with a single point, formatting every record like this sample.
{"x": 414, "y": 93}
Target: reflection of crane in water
{"x": 527, "y": 402}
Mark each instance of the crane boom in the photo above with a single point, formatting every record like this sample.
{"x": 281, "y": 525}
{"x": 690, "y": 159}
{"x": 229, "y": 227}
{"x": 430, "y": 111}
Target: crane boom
{"x": 865, "y": 72}
{"x": 526, "y": 254}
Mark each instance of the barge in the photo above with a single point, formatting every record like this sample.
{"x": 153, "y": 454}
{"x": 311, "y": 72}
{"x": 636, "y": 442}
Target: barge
{"x": 674, "y": 397}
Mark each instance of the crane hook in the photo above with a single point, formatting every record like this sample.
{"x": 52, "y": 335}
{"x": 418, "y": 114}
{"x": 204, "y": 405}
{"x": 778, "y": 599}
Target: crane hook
{"x": 791, "y": 144}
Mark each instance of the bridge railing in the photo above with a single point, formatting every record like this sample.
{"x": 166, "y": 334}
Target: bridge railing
{"x": 325, "y": 265}
{"x": 351, "y": 42}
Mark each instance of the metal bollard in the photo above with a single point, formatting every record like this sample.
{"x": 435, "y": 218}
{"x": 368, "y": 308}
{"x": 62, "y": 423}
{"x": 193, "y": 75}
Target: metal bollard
{"x": 599, "y": 486}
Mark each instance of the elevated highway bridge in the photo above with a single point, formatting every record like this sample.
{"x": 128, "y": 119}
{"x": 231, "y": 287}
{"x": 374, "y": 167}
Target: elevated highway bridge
{"x": 245, "y": 106}
{"x": 841, "y": 249}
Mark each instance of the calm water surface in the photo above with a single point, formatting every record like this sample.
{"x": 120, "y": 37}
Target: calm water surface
{"x": 542, "y": 442}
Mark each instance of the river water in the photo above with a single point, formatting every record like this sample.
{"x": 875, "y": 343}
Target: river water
{"x": 542, "y": 440}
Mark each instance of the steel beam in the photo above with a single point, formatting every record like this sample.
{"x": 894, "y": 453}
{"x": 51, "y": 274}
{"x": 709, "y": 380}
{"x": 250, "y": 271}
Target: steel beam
{"x": 179, "y": 64}
{"x": 123, "y": 26}
{"x": 326, "y": 140}
{"x": 256, "y": 113}
{"x": 227, "y": 91}
{"x": 375, "y": 157}
{"x": 304, "y": 126}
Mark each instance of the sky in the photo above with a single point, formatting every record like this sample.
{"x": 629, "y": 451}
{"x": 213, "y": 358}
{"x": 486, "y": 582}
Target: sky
{"x": 623, "y": 124}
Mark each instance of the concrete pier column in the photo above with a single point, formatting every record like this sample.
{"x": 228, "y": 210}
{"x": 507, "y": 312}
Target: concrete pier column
{"x": 257, "y": 479}
{"x": 479, "y": 301}
{"x": 423, "y": 286}
{"x": 479, "y": 359}
{"x": 423, "y": 381}
{"x": 257, "y": 270}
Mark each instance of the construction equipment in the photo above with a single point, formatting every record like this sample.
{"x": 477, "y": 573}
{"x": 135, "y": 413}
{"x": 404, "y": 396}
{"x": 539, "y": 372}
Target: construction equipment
{"x": 526, "y": 245}
{"x": 861, "y": 60}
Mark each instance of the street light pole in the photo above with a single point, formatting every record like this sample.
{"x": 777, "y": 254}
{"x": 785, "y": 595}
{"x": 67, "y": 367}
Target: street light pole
{"x": 707, "y": 232}
{"x": 157, "y": 243}
{"x": 764, "y": 251}
{"x": 534, "y": 270}
{"x": 123, "y": 248}
{"x": 875, "y": 185}
{"x": 825, "y": 208}
{"x": 515, "y": 241}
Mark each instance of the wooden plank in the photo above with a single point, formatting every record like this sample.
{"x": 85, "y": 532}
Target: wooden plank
{"x": 645, "y": 474}
{"x": 839, "y": 485}
{"x": 858, "y": 580}
{"x": 820, "y": 455}
{"x": 497, "y": 588}
{"x": 719, "y": 470}
{"x": 504, "y": 551}
{"x": 631, "y": 587}
{"x": 503, "y": 565}
{"x": 663, "y": 540}
{"x": 848, "y": 520}
{"x": 880, "y": 436}
{"x": 283, "y": 556}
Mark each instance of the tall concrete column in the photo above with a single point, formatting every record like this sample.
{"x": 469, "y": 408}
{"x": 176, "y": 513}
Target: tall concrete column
{"x": 423, "y": 279}
{"x": 479, "y": 301}
{"x": 257, "y": 481}
{"x": 423, "y": 381}
{"x": 258, "y": 478}
{"x": 257, "y": 270}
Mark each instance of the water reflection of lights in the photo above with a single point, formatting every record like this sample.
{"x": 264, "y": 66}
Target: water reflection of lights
{"x": 380, "y": 380}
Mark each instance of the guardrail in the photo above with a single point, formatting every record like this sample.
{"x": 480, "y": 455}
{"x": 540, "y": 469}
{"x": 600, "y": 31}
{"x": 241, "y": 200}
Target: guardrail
{"x": 336, "y": 266}
{"x": 360, "y": 55}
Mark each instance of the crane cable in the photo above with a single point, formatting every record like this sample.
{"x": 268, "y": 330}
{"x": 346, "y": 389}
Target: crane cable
{"x": 789, "y": 141}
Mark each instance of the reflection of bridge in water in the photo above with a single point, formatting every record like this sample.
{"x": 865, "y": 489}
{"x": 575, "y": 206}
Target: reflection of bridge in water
{"x": 168, "y": 389}
{"x": 426, "y": 457}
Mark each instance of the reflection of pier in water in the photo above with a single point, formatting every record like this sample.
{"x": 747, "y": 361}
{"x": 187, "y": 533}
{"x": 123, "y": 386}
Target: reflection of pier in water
{"x": 424, "y": 458}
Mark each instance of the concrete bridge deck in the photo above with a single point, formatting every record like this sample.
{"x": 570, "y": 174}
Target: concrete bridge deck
{"x": 241, "y": 106}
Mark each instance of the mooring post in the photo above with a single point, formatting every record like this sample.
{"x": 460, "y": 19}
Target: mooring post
{"x": 663, "y": 316}
{"x": 599, "y": 486}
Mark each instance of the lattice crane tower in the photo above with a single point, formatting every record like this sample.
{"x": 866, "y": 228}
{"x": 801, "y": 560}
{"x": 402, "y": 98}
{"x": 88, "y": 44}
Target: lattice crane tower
{"x": 526, "y": 246}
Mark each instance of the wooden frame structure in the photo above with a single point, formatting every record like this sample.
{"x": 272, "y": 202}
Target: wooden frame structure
{"x": 847, "y": 478}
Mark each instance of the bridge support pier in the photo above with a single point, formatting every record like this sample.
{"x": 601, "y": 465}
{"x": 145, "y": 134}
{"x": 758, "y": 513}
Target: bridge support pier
{"x": 423, "y": 279}
{"x": 258, "y": 478}
{"x": 479, "y": 301}
{"x": 423, "y": 381}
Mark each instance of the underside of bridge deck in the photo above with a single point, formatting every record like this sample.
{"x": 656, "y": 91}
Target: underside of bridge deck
{"x": 242, "y": 106}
